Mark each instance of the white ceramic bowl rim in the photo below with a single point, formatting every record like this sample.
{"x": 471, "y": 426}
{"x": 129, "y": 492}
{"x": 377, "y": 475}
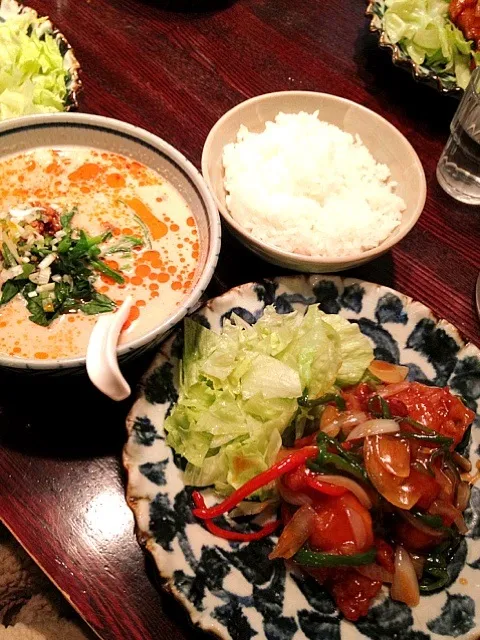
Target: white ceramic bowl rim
{"x": 183, "y": 164}
{"x": 392, "y": 239}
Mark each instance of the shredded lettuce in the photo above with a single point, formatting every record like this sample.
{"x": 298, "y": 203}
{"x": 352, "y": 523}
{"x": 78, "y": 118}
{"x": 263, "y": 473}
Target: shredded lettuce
{"x": 425, "y": 32}
{"x": 32, "y": 75}
{"x": 239, "y": 388}
{"x": 355, "y": 352}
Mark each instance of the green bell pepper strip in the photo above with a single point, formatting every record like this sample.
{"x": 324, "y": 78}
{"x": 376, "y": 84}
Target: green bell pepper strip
{"x": 435, "y": 572}
{"x": 384, "y": 408}
{"x": 435, "y": 522}
{"x": 328, "y": 397}
{"x": 342, "y": 460}
{"x": 426, "y": 437}
{"x": 314, "y": 559}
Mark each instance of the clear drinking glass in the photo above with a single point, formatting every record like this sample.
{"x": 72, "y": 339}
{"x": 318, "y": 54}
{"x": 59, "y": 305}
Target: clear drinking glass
{"x": 458, "y": 170}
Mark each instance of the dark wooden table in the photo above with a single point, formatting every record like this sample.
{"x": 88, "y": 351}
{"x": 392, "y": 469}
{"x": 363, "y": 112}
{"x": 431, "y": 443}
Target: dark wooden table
{"x": 175, "y": 73}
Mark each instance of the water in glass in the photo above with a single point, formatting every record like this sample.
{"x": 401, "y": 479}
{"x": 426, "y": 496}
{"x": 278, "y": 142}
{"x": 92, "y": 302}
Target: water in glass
{"x": 458, "y": 170}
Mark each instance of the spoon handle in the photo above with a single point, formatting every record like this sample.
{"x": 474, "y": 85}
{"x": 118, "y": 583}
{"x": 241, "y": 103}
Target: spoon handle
{"x": 101, "y": 361}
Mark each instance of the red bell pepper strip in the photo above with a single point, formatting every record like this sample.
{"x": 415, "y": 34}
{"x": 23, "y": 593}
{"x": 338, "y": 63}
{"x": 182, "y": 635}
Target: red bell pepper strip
{"x": 326, "y": 488}
{"x": 290, "y": 462}
{"x": 305, "y": 442}
{"x": 238, "y": 536}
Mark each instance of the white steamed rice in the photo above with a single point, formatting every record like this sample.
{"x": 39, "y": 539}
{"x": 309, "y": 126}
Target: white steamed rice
{"x": 308, "y": 187}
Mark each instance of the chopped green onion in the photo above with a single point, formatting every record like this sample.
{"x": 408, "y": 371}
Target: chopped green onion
{"x": 126, "y": 245}
{"x": 103, "y": 268}
{"x": 27, "y": 269}
{"x": 66, "y": 219}
{"x": 64, "y": 244}
{"x": 8, "y": 256}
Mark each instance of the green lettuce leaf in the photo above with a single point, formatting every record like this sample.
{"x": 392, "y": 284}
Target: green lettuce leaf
{"x": 423, "y": 29}
{"x": 356, "y": 352}
{"x": 32, "y": 74}
{"x": 239, "y": 388}
{"x": 274, "y": 378}
{"x": 314, "y": 351}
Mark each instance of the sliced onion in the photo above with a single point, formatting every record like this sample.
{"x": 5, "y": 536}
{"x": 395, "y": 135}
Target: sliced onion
{"x": 418, "y": 564}
{"x": 350, "y": 419}
{"x": 393, "y": 488}
{"x": 332, "y": 430}
{"x": 359, "y": 530}
{"x": 418, "y": 524}
{"x": 293, "y": 497}
{"x": 405, "y": 582}
{"x": 357, "y": 490}
{"x": 463, "y": 496}
{"x": 451, "y": 471}
{"x": 375, "y": 572}
{"x": 393, "y": 389}
{"x": 471, "y": 478}
{"x": 373, "y": 428}
{"x": 295, "y": 534}
{"x": 461, "y": 461}
{"x": 387, "y": 372}
{"x": 446, "y": 483}
{"x": 346, "y": 421}
{"x": 329, "y": 421}
{"x": 394, "y": 455}
{"x": 442, "y": 508}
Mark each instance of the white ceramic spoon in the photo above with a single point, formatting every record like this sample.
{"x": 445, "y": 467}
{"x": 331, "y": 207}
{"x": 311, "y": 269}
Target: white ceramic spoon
{"x": 102, "y": 363}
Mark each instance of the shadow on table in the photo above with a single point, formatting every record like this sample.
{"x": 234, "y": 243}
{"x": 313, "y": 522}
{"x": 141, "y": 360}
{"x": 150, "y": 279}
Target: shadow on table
{"x": 237, "y": 266}
{"x": 63, "y": 416}
{"x": 398, "y": 91}
{"x": 380, "y": 271}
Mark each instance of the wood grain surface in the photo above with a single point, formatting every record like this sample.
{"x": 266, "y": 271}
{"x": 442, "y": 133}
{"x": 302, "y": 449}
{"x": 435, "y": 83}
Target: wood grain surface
{"x": 175, "y": 68}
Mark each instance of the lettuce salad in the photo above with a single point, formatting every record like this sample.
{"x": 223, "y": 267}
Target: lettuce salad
{"x": 32, "y": 75}
{"x": 239, "y": 389}
{"x": 423, "y": 29}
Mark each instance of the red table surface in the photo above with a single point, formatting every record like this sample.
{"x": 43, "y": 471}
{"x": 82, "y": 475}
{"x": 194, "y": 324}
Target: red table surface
{"x": 175, "y": 73}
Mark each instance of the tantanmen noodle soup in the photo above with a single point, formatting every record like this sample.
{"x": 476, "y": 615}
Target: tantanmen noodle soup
{"x": 80, "y": 230}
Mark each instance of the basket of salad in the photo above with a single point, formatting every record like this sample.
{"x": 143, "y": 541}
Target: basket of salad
{"x": 39, "y": 71}
{"x": 437, "y": 40}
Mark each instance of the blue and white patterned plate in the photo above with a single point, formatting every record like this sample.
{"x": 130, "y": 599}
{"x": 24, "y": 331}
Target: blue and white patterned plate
{"x": 232, "y": 589}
